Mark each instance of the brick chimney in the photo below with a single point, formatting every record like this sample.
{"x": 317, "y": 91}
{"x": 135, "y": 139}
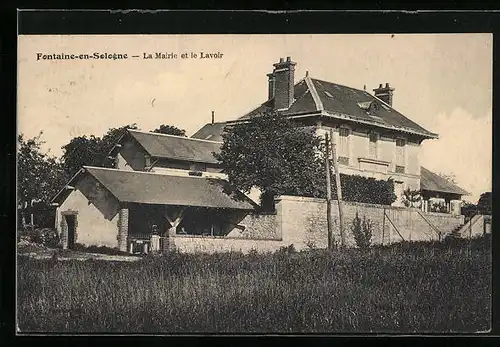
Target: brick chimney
{"x": 385, "y": 93}
{"x": 271, "y": 86}
{"x": 281, "y": 83}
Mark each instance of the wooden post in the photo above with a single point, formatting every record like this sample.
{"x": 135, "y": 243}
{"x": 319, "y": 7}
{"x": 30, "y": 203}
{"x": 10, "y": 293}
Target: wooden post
{"x": 383, "y": 228}
{"x": 339, "y": 192}
{"x": 328, "y": 193}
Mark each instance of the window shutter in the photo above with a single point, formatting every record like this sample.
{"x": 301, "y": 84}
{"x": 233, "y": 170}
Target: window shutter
{"x": 344, "y": 142}
{"x": 400, "y": 152}
{"x": 373, "y": 145}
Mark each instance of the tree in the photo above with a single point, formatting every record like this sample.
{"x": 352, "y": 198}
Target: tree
{"x": 40, "y": 176}
{"x": 412, "y": 198}
{"x": 362, "y": 230}
{"x": 274, "y": 155}
{"x": 82, "y": 150}
{"x": 484, "y": 203}
{"x": 169, "y": 129}
{"x": 92, "y": 150}
{"x": 468, "y": 209}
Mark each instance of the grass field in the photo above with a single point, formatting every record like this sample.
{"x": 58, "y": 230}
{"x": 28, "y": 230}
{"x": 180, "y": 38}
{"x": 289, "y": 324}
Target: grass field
{"x": 420, "y": 287}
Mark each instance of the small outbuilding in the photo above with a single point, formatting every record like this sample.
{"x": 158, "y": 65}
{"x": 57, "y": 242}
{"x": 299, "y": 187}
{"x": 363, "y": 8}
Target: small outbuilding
{"x": 133, "y": 209}
{"x": 439, "y": 194}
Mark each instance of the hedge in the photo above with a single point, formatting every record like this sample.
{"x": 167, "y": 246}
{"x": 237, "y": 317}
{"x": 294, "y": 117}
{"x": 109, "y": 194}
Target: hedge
{"x": 368, "y": 190}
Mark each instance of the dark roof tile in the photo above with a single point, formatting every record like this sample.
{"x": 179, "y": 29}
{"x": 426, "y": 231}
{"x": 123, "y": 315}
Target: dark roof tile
{"x": 154, "y": 188}
{"x": 209, "y": 131}
{"x": 177, "y": 147}
{"x": 435, "y": 183}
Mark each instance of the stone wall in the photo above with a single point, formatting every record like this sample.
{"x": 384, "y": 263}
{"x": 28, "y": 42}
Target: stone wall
{"x": 477, "y": 226}
{"x": 195, "y": 243}
{"x": 302, "y": 222}
{"x": 258, "y": 226}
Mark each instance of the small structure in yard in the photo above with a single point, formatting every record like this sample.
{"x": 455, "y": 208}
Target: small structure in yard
{"x": 139, "y": 211}
{"x": 439, "y": 194}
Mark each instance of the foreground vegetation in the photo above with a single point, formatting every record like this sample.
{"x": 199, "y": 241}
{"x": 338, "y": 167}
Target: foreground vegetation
{"x": 408, "y": 287}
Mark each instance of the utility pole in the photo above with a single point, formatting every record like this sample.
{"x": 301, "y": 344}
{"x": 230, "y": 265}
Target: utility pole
{"x": 328, "y": 192}
{"x": 339, "y": 191}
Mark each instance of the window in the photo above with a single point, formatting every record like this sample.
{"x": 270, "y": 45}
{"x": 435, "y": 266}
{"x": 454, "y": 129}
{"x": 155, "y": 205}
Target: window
{"x": 400, "y": 155}
{"x": 373, "y": 148}
{"x": 343, "y": 146}
{"x": 400, "y": 169}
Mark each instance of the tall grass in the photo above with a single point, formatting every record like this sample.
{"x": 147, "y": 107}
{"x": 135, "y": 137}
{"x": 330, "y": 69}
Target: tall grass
{"x": 421, "y": 287}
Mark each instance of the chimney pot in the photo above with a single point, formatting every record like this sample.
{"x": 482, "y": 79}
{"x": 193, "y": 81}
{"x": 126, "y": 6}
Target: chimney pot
{"x": 288, "y": 58}
{"x": 385, "y": 94}
{"x": 282, "y": 60}
{"x": 307, "y": 73}
{"x": 380, "y": 86}
{"x": 213, "y": 117}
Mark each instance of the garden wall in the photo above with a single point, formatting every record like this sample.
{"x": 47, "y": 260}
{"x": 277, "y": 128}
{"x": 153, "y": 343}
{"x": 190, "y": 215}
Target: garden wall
{"x": 302, "y": 222}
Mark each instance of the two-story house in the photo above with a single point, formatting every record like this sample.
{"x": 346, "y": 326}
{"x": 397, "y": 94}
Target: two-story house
{"x": 372, "y": 138}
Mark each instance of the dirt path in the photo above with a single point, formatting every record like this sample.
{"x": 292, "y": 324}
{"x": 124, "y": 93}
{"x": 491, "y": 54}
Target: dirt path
{"x": 39, "y": 252}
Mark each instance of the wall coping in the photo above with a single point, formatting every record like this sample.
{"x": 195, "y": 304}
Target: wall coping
{"x": 441, "y": 214}
{"x": 299, "y": 198}
{"x": 363, "y": 204}
{"x": 223, "y": 238}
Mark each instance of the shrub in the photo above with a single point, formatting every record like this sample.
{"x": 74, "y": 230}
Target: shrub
{"x": 412, "y": 198}
{"x": 285, "y": 250}
{"x": 98, "y": 249}
{"x": 362, "y": 231}
{"x": 367, "y": 190}
{"x": 45, "y": 236}
{"x": 438, "y": 206}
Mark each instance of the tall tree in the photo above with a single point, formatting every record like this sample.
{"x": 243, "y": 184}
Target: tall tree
{"x": 484, "y": 203}
{"x": 170, "y": 130}
{"x": 82, "y": 150}
{"x": 275, "y": 155}
{"x": 40, "y": 176}
{"x": 92, "y": 150}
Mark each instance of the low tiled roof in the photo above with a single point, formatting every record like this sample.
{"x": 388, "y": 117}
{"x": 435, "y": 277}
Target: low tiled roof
{"x": 210, "y": 131}
{"x": 313, "y": 96}
{"x": 154, "y": 188}
{"x": 432, "y": 182}
{"x": 176, "y": 147}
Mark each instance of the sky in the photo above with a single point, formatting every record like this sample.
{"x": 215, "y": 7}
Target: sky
{"x": 443, "y": 82}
